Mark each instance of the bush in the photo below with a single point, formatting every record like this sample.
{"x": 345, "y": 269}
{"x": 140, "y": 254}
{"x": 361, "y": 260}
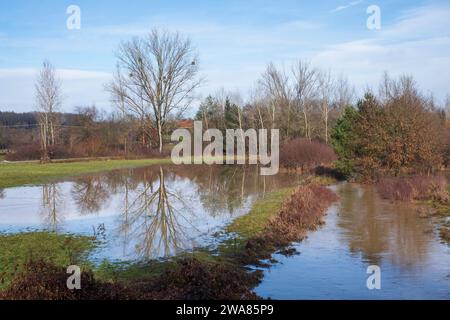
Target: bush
{"x": 414, "y": 188}
{"x": 25, "y": 153}
{"x": 302, "y": 212}
{"x": 190, "y": 279}
{"x": 33, "y": 152}
{"x": 305, "y": 154}
{"x": 41, "y": 280}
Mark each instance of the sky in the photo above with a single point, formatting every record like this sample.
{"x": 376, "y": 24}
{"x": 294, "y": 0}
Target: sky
{"x": 235, "y": 41}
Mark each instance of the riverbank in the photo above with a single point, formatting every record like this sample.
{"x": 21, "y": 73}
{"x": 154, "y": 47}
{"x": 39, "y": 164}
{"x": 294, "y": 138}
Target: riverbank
{"x": 18, "y": 174}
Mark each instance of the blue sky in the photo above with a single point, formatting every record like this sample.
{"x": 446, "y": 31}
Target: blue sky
{"x": 235, "y": 41}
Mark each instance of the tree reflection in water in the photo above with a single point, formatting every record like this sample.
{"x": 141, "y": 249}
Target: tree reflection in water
{"x": 90, "y": 194}
{"x": 52, "y": 202}
{"x": 375, "y": 226}
{"x": 151, "y": 218}
{"x": 2, "y": 193}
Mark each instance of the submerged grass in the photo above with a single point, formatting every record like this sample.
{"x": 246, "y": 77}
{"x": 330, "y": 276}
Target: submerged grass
{"x": 17, "y": 174}
{"x": 62, "y": 250}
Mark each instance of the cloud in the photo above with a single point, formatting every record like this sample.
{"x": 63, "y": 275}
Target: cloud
{"x": 348, "y": 5}
{"x": 417, "y": 43}
{"x": 79, "y": 88}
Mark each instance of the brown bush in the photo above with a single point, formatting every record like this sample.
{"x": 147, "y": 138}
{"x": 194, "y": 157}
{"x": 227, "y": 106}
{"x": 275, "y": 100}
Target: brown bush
{"x": 195, "y": 280}
{"x": 301, "y": 213}
{"x": 42, "y": 280}
{"x": 190, "y": 279}
{"x": 33, "y": 152}
{"x": 414, "y": 188}
{"x": 24, "y": 153}
{"x": 305, "y": 154}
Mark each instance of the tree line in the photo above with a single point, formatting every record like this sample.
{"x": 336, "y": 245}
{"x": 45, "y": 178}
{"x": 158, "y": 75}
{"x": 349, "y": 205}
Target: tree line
{"x": 156, "y": 80}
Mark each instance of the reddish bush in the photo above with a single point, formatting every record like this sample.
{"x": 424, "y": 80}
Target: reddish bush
{"x": 24, "y": 153}
{"x": 41, "y": 280}
{"x": 302, "y": 212}
{"x": 33, "y": 152}
{"x": 414, "y": 188}
{"x": 305, "y": 154}
{"x": 195, "y": 280}
{"x": 190, "y": 279}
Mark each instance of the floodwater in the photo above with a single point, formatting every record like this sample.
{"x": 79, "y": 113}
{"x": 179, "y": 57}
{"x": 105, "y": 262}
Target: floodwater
{"x": 141, "y": 214}
{"x": 361, "y": 231}
{"x": 159, "y": 211}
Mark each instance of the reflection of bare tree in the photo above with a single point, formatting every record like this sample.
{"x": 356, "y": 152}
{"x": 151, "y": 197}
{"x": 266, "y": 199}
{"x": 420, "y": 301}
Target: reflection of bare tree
{"x": 375, "y": 227}
{"x": 51, "y": 204}
{"x": 154, "y": 220}
{"x": 90, "y": 194}
{"x": 2, "y": 193}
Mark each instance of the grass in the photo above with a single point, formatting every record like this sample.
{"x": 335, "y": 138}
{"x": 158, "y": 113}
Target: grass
{"x": 18, "y": 174}
{"x": 259, "y": 216}
{"x": 62, "y": 250}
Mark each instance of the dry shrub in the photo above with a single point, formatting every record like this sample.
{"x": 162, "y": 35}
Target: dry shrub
{"x": 41, "y": 280}
{"x": 188, "y": 280}
{"x": 33, "y": 152}
{"x": 414, "y": 188}
{"x": 302, "y": 212}
{"x": 305, "y": 154}
{"x": 195, "y": 280}
{"x": 24, "y": 153}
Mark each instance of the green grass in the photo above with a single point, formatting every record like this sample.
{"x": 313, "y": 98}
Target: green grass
{"x": 62, "y": 250}
{"x": 18, "y": 174}
{"x": 259, "y": 216}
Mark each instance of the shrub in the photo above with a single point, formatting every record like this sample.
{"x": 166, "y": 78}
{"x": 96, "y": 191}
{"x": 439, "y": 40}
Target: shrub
{"x": 305, "y": 154}
{"x": 414, "y": 188}
{"x": 24, "y": 153}
{"x": 302, "y": 212}
{"x": 41, "y": 280}
{"x": 190, "y": 279}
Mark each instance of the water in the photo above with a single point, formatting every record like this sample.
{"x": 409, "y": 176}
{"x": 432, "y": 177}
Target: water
{"x": 363, "y": 230}
{"x": 140, "y": 214}
{"x": 158, "y": 211}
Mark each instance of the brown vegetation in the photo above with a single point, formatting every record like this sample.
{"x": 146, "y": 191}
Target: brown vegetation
{"x": 305, "y": 154}
{"x": 414, "y": 188}
{"x": 302, "y": 212}
{"x": 190, "y": 279}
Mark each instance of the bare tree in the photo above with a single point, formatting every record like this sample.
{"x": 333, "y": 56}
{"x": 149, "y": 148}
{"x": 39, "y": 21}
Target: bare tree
{"x": 275, "y": 84}
{"x": 326, "y": 88}
{"x": 344, "y": 94}
{"x": 306, "y": 80}
{"x": 156, "y": 77}
{"x": 48, "y": 100}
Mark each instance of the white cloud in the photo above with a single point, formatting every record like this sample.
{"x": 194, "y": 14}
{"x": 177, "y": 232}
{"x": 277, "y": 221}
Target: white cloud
{"x": 346, "y": 6}
{"x": 79, "y": 88}
{"x": 418, "y": 43}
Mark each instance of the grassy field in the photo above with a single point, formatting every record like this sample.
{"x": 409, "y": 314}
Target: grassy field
{"x": 17, "y": 174}
{"x": 62, "y": 250}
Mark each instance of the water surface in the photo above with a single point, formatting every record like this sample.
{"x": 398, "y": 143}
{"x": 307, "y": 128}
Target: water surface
{"x": 144, "y": 213}
{"x": 364, "y": 230}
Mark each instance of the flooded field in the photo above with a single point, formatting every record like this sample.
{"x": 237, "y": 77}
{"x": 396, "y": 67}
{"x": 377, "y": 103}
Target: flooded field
{"x": 364, "y": 230}
{"x": 142, "y": 213}
{"x": 159, "y": 211}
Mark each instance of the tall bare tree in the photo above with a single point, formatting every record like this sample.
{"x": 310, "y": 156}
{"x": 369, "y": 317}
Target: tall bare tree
{"x": 275, "y": 84}
{"x": 156, "y": 77}
{"x": 48, "y": 100}
{"x": 326, "y": 89}
{"x": 306, "y": 80}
